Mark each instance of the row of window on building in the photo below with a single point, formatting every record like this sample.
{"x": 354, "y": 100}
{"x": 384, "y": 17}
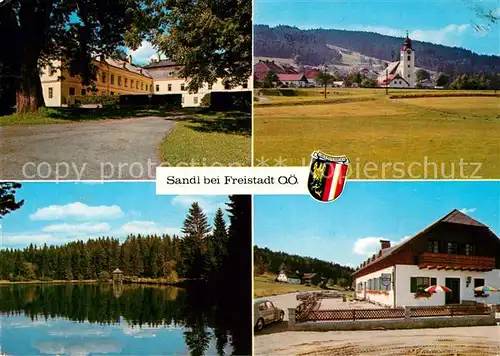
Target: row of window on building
{"x": 451, "y": 248}
{"x": 125, "y": 83}
{"x": 418, "y": 284}
{"x": 376, "y": 284}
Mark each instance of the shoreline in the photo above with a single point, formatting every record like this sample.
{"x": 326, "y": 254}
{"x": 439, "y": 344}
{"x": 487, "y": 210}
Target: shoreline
{"x": 149, "y": 281}
{"x": 57, "y": 281}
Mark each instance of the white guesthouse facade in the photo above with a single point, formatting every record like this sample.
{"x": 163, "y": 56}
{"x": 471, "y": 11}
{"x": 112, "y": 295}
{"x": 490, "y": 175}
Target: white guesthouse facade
{"x": 455, "y": 251}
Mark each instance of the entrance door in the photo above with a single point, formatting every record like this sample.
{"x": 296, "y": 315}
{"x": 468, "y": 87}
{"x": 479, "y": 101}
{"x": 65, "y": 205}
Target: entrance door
{"x": 453, "y": 297}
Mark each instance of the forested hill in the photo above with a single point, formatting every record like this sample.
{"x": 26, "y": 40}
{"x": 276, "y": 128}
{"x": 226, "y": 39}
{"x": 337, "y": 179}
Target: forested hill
{"x": 311, "y": 47}
{"x": 266, "y": 260}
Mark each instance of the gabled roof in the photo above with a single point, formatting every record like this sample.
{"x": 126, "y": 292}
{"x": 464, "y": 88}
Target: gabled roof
{"x": 312, "y": 73}
{"x": 162, "y": 63}
{"x": 119, "y": 63}
{"x": 117, "y": 271}
{"x": 291, "y": 77}
{"x": 454, "y": 217}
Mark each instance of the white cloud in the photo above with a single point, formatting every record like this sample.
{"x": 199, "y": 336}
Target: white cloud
{"x": 468, "y": 210}
{"x": 75, "y": 229}
{"x": 24, "y": 239}
{"x": 367, "y": 246}
{"x": 77, "y": 211}
{"x": 144, "y": 53}
{"x": 208, "y": 204}
{"x": 147, "y": 227}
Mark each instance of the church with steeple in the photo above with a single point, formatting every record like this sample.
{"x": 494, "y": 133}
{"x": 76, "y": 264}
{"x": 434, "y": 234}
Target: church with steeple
{"x": 400, "y": 74}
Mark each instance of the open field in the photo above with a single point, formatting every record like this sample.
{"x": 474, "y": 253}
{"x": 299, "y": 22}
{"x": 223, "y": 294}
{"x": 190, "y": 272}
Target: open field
{"x": 265, "y": 286}
{"x": 209, "y": 139}
{"x": 413, "y": 138}
{"x": 465, "y": 341}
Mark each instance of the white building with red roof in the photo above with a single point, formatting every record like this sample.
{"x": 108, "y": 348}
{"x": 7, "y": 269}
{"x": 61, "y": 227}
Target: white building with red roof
{"x": 295, "y": 80}
{"x": 400, "y": 74}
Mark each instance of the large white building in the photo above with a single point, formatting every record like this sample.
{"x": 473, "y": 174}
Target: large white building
{"x": 456, "y": 251}
{"x": 400, "y": 74}
{"x": 166, "y": 80}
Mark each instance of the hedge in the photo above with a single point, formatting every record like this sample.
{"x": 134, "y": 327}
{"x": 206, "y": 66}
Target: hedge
{"x": 103, "y": 100}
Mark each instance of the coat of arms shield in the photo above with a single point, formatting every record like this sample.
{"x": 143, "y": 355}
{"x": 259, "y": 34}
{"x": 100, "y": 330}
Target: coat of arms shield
{"x": 327, "y": 176}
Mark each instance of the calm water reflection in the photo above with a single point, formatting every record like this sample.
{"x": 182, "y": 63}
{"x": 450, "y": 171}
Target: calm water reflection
{"x": 131, "y": 320}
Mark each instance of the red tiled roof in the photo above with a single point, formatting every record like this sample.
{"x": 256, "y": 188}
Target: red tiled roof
{"x": 291, "y": 77}
{"x": 311, "y": 74}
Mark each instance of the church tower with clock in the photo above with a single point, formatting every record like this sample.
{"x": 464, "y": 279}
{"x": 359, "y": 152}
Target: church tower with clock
{"x": 407, "y": 62}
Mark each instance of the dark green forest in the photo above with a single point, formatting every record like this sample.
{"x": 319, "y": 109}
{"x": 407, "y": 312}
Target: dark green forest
{"x": 266, "y": 260}
{"x": 199, "y": 254}
{"x": 309, "y": 47}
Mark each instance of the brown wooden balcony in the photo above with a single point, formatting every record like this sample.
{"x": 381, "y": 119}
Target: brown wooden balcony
{"x": 456, "y": 262}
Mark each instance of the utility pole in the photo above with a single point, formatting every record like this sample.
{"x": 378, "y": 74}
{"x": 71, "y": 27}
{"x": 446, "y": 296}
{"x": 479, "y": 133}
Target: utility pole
{"x": 386, "y": 81}
{"x": 325, "y": 79}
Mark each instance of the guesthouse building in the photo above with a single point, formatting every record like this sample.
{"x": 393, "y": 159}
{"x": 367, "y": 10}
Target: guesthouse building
{"x": 456, "y": 251}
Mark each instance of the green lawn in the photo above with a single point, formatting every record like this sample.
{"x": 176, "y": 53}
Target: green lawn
{"x": 411, "y": 138}
{"x": 265, "y": 286}
{"x": 209, "y": 139}
{"x": 74, "y": 115}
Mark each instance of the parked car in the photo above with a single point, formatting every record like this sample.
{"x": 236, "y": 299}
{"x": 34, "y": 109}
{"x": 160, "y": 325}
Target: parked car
{"x": 265, "y": 312}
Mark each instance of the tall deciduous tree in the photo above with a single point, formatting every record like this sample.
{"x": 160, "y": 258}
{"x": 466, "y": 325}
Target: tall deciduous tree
{"x": 73, "y": 30}
{"x": 211, "y": 39}
{"x": 422, "y": 74}
{"x": 8, "y": 202}
{"x": 271, "y": 79}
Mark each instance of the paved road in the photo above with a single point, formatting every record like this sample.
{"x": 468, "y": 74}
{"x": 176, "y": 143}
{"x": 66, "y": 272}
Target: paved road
{"x": 473, "y": 340}
{"x": 109, "y": 149}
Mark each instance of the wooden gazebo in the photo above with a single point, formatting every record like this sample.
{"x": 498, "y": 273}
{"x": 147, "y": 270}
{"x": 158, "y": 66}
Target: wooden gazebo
{"x": 117, "y": 275}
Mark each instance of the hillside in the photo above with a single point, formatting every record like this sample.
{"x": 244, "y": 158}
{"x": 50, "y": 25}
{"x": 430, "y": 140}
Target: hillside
{"x": 270, "y": 261}
{"x": 350, "y": 48}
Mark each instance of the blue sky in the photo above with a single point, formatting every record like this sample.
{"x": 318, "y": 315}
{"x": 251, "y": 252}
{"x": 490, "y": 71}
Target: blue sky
{"x": 56, "y": 213}
{"x": 446, "y": 22}
{"x": 349, "y": 229}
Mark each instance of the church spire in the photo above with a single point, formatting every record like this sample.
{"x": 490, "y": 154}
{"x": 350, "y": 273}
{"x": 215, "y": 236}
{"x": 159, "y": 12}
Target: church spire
{"x": 407, "y": 42}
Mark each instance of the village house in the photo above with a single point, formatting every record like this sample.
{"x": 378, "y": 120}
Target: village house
{"x": 311, "y": 75}
{"x": 288, "y": 278}
{"x": 456, "y": 251}
{"x": 119, "y": 77}
{"x": 263, "y": 67}
{"x": 114, "y": 77}
{"x": 400, "y": 74}
{"x": 293, "y": 80}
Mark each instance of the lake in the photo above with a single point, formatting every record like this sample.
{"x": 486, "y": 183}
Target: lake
{"x": 95, "y": 319}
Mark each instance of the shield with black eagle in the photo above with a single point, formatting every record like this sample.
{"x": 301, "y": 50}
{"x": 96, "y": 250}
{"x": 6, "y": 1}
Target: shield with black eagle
{"x": 327, "y": 176}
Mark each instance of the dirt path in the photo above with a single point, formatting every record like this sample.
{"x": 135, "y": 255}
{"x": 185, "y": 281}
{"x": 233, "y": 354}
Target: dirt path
{"x": 481, "y": 340}
{"x": 109, "y": 149}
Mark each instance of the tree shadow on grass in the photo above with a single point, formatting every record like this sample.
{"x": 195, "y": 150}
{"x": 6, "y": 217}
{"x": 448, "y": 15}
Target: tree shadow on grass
{"x": 233, "y": 122}
{"x": 90, "y": 114}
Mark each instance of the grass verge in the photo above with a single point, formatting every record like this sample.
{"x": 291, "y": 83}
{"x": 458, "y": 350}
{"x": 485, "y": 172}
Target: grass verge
{"x": 209, "y": 139}
{"x": 265, "y": 286}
